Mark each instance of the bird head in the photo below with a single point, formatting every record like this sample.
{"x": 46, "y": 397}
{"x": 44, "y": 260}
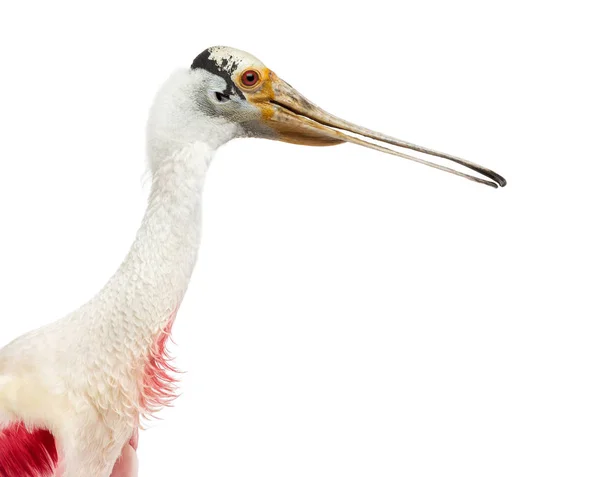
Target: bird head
{"x": 233, "y": 94}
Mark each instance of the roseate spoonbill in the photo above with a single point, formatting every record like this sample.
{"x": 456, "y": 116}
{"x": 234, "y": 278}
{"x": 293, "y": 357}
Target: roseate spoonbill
{"x": 73, "y": 392}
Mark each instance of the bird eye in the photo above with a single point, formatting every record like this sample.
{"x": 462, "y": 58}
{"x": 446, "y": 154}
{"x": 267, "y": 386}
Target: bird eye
{"x": 250, "y": 78}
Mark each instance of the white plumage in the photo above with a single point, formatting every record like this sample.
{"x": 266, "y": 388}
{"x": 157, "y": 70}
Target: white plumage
{"x": 82, "y": 377}
{"x": 89, "y": 378}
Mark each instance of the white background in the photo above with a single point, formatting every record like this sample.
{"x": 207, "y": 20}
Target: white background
{"x": 351, "y": 314}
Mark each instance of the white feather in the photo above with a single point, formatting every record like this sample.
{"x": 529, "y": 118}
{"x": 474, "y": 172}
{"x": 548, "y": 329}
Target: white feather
{"x": 79, "y": 377}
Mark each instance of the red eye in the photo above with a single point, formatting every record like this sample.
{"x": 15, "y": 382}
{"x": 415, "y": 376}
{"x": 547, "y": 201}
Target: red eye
{"x": 250, "y": 78}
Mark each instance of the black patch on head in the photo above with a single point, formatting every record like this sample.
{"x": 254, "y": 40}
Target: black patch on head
{"x": 203, "y": 61}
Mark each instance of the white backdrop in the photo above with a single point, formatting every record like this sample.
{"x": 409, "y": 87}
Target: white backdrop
{"x": 351, "y": 314}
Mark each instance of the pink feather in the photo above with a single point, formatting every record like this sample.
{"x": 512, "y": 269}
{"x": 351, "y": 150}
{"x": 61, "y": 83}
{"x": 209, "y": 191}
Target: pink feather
{"x": 158, "y": 385}
{"x": 27, "y": 453}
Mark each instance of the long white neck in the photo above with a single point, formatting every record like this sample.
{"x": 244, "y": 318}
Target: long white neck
{"x": 153, "y": 278}
{"x": 122, "y": 331}
{"x": 151, "y": 282}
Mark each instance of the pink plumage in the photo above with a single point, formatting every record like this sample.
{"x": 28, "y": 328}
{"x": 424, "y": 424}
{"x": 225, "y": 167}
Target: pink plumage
{"x": 32, "y": 453}
{"x": 27, "y": 453}
{"x": 158, "y": 383}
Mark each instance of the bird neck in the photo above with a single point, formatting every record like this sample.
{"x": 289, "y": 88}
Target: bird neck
{"x": 153, "y": 279}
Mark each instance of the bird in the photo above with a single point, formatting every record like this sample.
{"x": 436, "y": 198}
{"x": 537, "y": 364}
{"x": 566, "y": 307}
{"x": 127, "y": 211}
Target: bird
{"x": 75, "y": 392}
